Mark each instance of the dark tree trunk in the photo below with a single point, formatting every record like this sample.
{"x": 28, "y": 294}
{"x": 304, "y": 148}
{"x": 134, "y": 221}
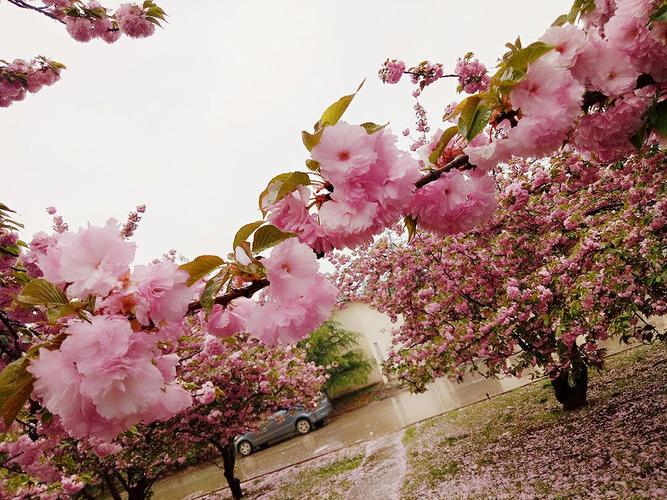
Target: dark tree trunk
{"x": 571, "y": 385}
{"x": 228, "y": 461}
{"x": 138, "y": 491}
{"x": 112, "y": 487}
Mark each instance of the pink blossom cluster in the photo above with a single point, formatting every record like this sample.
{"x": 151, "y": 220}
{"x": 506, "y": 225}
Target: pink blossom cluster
{"x": 589, "y": 81}
{"x": 105, "y": 378}
{"x": 426, "y": 74}
{"x": 473, "y": 76}
{"x": 391, "y": 71}
{"x": 298, "y": 299}
{"x": 86, "y": 21}
{"x": 22, "y": 76}
{"x": 109, "y": 364}
{"x": 549, "y": 99}
{"x": 606, "y": 134}
{"x": 455, "y": 203}
{"x": 367, "y": 182}
{"x": 132, "y": 222}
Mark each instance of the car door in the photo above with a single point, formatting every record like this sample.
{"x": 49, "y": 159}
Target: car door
{"x": 286, "y": 427}
{"x": 274, "y": 429}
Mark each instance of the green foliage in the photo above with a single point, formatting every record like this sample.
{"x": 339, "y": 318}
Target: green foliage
{"x": 331, "y": 116}
{"x": 267, "y": 237}
{"x": 15, "y": 388}
{"x": 335, "y": 349}
{"x": 442, "y": 143}
{"x": 40, "y": 292}
{"x": 474, "y": 116}
{"x": 245, "y": 231}
{"x": 334, "y": 112}
{"x": 201, "y": 266}
{"x": 280, "y": 186}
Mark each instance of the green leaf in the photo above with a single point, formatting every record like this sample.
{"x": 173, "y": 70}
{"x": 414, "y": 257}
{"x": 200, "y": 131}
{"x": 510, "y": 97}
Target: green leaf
{"x": 660, "y": 15}
{"x": 442, "y": 144}
{"x": 313, "y": 165}
{"x": 474, "y": 117}
{"x": 411, "y": 225}
{"x": 212, "y": 288}
{"x": 245, "y": 231}
{"x": 371, "y": 127}
{"x": 311, "y": 140}
{"x": 280, "y": 186}
{"x": 560, "y": 20}
{"x": 334, "y": 112}
{"x": 638, "y": 139}
{"x": 42, "y": 292}
{"x": 201, "y": 266}
{"x": 657, "y": 117}
{"x": 521, "y": 58}
{"x": 15, "y": 389}
{"x": 267, "y": 237}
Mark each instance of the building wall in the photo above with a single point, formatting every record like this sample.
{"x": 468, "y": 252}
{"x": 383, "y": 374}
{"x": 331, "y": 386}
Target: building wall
{"x": 375, "y": 328}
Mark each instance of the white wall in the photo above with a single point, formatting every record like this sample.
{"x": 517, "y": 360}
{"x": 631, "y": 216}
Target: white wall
{"x": 375, "y": 326}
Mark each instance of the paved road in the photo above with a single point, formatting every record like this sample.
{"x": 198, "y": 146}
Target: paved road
{"x": 376, "y": 419}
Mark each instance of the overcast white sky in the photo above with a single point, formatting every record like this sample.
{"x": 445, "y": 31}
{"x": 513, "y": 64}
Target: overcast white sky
{"x": 195, "y": 120}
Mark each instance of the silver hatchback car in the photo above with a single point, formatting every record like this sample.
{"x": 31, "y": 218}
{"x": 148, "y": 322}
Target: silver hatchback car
{"x": 283, "y": 424}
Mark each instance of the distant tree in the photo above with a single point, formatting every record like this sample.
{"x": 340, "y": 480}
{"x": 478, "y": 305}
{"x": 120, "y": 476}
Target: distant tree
{"x": 336, "y": 350}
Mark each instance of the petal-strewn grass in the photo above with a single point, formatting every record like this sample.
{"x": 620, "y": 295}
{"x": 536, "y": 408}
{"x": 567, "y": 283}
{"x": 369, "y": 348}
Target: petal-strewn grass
{"x": 522, "y": 444}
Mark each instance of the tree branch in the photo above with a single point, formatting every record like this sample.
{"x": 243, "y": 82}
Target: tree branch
{"x": 225, "y": 299}
{"x": 459, "y": 161}
{"x": 42, "y": 10}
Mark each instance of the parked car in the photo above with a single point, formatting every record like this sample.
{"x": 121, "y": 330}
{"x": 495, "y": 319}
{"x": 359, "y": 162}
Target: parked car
{"x": 283, "y": 424}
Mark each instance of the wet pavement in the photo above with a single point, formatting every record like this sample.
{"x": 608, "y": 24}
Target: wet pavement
{"x": 377, "y": 419}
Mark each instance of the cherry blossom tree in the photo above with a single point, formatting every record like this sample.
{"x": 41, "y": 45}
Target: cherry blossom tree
{"x": 575, "y": 255}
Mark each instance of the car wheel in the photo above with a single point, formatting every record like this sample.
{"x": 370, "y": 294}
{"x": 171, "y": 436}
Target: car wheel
{"x": 303, "y": 426}
{"x": 244, "y": 448}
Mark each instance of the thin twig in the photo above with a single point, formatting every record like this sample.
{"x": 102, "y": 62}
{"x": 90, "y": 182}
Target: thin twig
{"x": 42, "y": 10}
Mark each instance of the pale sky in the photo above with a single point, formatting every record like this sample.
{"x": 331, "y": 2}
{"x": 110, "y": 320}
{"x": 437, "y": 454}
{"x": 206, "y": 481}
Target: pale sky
{"x": 195, "y": 120}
